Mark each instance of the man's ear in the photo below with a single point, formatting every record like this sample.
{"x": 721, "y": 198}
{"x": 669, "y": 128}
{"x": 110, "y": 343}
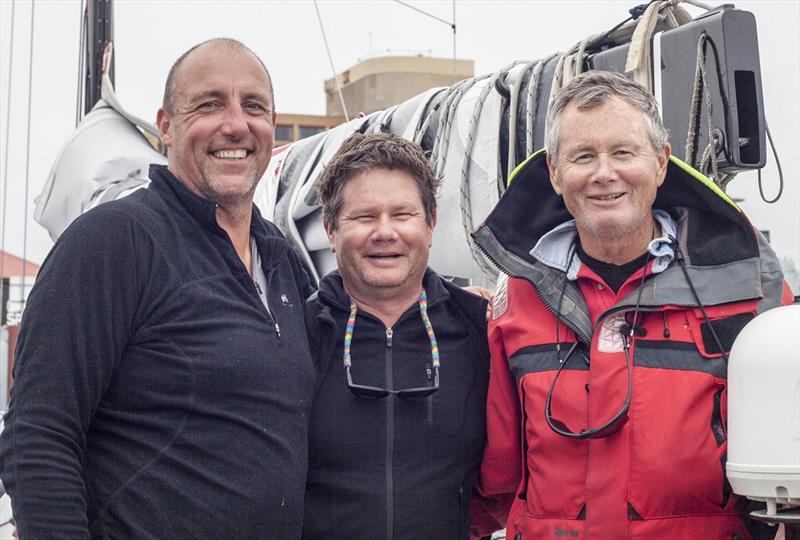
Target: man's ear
{"x": 430, "y": 231}
{"x": 551, "y": 166}
{"x": 663, "y": 161}
{"x": 163, "y": 122}
{"x": 331, "y": 232}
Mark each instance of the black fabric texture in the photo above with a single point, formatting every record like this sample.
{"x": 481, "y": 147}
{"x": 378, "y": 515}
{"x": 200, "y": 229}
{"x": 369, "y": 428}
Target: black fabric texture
{"x": 613, "y": 274}
{"x": 437, "y": 441}
{"x": 153, "y": 396}
{"x": 727, "y": 330}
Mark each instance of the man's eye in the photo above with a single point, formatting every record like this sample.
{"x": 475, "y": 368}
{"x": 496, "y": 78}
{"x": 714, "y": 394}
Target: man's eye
{"x": 623, "y": 153}
{"x": 208, "y": 105}
{"x": 255, "y": 107}
{"x": 583, "y": 158}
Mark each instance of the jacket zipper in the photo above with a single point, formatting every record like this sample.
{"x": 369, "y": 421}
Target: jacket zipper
{"x": 429, "y": 399}
{"x": 389, "y": 438}
{"x": 270, "y": 315}
{"x": 569, "y": 324}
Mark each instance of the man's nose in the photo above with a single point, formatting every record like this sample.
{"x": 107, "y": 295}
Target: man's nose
{"x": 605, "y": 168}
{"x": 234, "y": 122}
{"x": 384, "y": 229}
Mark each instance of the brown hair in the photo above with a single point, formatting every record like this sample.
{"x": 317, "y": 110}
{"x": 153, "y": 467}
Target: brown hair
{"x": 361, "y": 153}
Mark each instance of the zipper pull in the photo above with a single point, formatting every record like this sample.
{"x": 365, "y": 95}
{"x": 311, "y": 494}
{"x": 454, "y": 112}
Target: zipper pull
{"x": 277, "y": 329}
{"x": 666, "y": 328}
{"x": 389, "y": 333}
{"x": 429, "y": 371}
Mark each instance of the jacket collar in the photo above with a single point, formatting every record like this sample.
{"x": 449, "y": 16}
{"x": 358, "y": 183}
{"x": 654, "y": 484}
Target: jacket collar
{"x": 717, "y": 231}
{"x": 332, "y": 292}
{"x": 272, "y": 247}
{"x": 712, "y": 232}
{"x": 555, "y": 248}
{"x": 200, "y": 208}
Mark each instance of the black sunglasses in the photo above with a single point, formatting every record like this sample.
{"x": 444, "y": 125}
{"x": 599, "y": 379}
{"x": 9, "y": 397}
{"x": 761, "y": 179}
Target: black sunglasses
{"x": 610, "y": 427}
{"x": 375, "y": 392}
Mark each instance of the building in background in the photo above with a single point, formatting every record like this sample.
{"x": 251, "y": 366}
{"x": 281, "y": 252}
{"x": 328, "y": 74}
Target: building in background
{"x": 293, "y": 127}
{"x": 378, "y": 83}
{"x": 372, "y": 85}
{"x": 17, "y": 279}
{"x": 17, "y": 276}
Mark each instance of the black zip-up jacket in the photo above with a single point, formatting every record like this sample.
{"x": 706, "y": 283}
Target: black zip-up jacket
{"x": 391, "y": 468}
{"x": 155, "y": 397}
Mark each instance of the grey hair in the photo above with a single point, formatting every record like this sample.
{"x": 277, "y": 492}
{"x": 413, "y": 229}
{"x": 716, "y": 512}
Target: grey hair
{"x": 594, "y": 88}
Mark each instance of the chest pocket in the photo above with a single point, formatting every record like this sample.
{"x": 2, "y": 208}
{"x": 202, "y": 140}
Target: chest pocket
{"x": 723, "y": 326}
{"x": 444, "y": 410}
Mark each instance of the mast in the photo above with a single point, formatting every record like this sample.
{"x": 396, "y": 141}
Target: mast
{"x": 100, "y": 31}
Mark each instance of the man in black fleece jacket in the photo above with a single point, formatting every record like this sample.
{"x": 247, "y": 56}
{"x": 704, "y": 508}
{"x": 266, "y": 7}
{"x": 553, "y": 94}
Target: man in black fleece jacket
{"x": 398, "y": 422}
{"x": 164, "y": 379}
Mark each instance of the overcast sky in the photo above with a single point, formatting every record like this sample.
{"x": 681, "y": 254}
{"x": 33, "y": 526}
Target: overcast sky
{"x": 150, "y": 35}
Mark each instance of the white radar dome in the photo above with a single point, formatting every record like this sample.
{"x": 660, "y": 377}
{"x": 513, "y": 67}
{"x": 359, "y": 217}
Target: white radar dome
{"x": 764, "y": 409}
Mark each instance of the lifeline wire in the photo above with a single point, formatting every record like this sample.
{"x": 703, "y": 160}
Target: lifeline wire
{"x": 81, "y": 44}
{"x": 452, "y": 25}
{"x": 5, "y": 158}
{"x": 330, "y": 60}
{"x": 27, "y": 157}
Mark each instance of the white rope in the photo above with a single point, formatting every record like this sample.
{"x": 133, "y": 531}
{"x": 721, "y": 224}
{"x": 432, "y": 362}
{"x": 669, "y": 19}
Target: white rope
{"x": 511, "y": 161}
{"x": 330, "y": 60}
{"x": 442, "y": 142}
{"x": 5, "y": 157}
{"x": 424, "y": 119}
{"x": 700, "y": 93}
{"x": 466, "y": 204}
{"x": 531, "y": 105}
{"x": 639, "y": 62}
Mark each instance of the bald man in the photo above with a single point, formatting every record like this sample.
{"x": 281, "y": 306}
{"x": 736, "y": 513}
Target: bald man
{"x": 163, "y": 374}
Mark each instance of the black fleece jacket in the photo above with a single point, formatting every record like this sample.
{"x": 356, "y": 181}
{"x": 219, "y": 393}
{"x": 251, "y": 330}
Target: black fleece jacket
{"x": 392, "y": 468}
{"x": 154, "y": 396}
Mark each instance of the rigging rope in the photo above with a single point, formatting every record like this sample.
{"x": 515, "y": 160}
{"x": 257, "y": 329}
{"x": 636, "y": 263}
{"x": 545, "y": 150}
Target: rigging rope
{"x": 512, "y": 117}
{"x": 780, "y": 171}
{"x": 5, "y": 157}
{"x": 466, "y": 203}
{"x": 28, "y": 156}
{"x": 700, "y": 94}
{"x": 330, "y": 60}
{"x": 532, "y": 104}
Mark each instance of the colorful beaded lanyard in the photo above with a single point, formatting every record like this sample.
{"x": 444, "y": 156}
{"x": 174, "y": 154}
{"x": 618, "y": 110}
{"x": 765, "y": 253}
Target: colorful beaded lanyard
{"x": 423, "y": 311}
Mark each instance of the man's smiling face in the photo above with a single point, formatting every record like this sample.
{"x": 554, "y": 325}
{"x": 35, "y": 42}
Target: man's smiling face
{"x": 607, "y": 170}
{"x": 382, "y": 236}
{"x": 222, "y": 129}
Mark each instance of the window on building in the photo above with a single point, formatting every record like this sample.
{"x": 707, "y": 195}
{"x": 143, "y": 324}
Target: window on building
{"x": 283, "y": 133}
{"x": 308, "y": 131}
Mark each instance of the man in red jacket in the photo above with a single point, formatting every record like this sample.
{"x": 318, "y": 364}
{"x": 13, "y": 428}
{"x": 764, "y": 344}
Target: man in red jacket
{"x": 631, "y": 275}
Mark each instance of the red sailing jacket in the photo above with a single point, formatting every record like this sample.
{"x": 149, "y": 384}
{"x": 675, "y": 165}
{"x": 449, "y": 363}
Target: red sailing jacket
{"x": 662, "y": 474}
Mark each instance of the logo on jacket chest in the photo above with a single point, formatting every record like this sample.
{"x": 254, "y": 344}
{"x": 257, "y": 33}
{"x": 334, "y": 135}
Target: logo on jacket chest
{"x": 610, "y": 337}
